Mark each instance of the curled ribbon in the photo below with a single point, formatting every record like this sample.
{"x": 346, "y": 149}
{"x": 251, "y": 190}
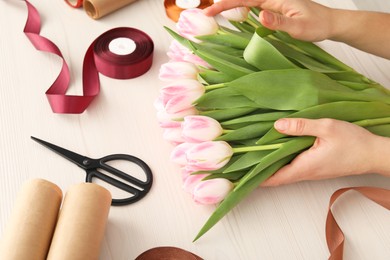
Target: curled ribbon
{"x": 173, "y": 10}
{"x": 334, "y": 235}
{"x": 98, "y": 58}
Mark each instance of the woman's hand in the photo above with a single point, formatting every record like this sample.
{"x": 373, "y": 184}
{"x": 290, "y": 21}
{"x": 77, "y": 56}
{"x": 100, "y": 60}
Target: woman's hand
{"x": 302, "y": 19}
{"x": 309, "y": 21}
{"x": 341, "y": 149}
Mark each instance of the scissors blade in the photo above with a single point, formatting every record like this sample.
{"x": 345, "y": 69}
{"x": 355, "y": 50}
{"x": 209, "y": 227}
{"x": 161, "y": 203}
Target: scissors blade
{"x": 76, "y": 158}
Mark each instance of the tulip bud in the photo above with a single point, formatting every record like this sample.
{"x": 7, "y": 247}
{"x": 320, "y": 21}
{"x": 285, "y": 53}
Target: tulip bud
{"x": 193, "y": 22}
{"x": 178, "y": 154}
{"x": 208, "y": 156}
{"x": 178, "y": 52}
{"x": 173, "y": 134}
{"x": 185, "y": 172}
{"x": 238, "y": 14}
{"x": 180, "y": 95}
{"x": 167, "y": 120}
{"x": 178, "y": 70}
{"x": 212, "y": 191}
{"x": 191, "y": 181}
{"x": 198, "y": 129}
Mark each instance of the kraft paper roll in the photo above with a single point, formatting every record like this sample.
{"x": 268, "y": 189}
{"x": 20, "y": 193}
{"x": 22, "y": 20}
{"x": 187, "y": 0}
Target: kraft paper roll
{"x": 99, "y": 8}
{"x": 81, "y": 223}
{"x": 32, "y": 222}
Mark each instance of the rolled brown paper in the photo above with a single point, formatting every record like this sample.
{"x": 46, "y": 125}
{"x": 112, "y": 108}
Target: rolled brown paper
{"x": 32, "y": 221}
{"x": 99, "y": 8}
{"x": 81, "y": 223}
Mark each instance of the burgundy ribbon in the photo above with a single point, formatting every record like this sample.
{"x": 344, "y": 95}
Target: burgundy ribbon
{"x": 334, "y": 235}
{"x": 167, "y": 253}
{"x": 97, "y": 59}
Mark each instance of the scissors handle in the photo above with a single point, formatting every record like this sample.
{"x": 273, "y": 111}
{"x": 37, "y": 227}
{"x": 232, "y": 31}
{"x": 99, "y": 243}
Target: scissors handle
{"x": 138, "y": 188}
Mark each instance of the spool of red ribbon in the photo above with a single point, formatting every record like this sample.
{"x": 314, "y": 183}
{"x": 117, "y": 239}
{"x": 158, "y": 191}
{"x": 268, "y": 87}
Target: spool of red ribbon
{"x": 173, "y": 8}
{"x": 131, "y": 54}
{"x": 109, "y": 54}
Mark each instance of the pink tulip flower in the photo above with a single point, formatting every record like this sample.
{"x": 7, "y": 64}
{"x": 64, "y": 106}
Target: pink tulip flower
{"x": 168, "y": 120}
{"x": 193, "y": 22}
{"x": 238, "y": 14}
{"x": 178, "y": 154}
{"x": 173, "y": 134}
{"x": 180, "y": 95}
{"x": 178, "y": 52}
{"x": 208, "y": 156}
{"x": 191, "y": 181}
{"x": 178, "y": 70}
{"x": 198, "y": 129}
{"x": 185, "y": 172}
{"x": 212, "y": 191}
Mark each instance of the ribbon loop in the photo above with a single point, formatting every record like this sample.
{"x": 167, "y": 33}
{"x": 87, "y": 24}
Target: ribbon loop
{"x": 334, "y": 234}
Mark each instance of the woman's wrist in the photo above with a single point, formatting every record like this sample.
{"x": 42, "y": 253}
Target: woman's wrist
{"x": 341, "y": 28}
{"x": 381, "y": 155}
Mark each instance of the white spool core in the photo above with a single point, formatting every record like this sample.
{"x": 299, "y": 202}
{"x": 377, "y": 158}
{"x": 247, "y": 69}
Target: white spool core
{"x": 186, "y": 4}
{"x": 122, "y": 46}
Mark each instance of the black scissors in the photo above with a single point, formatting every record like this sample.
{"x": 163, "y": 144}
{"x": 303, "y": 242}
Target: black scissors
{"x": 92, "y": 166}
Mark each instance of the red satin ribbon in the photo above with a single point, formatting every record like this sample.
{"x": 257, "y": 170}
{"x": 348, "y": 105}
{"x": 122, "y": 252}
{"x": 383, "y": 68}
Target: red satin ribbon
{"x": 334, "y": 235}
{"x": 97, "y": 59}
{"x": 173, "y": 11}
{"x": 74, "y": 3}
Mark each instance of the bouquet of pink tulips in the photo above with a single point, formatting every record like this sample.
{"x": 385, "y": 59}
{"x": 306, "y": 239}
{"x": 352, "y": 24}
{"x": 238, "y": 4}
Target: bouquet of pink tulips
{"x": 226, "y": 88}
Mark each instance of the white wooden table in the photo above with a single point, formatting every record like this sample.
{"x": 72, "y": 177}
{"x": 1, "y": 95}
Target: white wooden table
{"x": 273, "y": 223}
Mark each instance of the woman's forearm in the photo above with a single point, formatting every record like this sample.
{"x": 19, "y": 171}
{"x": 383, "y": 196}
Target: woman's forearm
{"x": 364, "y": 30}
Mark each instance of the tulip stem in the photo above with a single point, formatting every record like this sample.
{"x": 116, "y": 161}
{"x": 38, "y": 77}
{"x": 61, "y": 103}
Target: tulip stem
{"x": 372, "y": 122}
{"x": 256, "y": 148}
{"x": 226, "y": 131}
{"x": 215, "y": 86}
{"x": 252, "y": 23}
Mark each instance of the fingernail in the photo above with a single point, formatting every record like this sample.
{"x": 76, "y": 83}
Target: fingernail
{"x": 281, "y": 124}
{"x": 268, "y": 17}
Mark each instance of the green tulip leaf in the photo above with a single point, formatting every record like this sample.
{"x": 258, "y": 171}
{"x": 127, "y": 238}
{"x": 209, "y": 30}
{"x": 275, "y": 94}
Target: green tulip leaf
{"x": 264, "y": 56}
{"x": 300, "y": 57}
{"x": 243, "y": 27}
{"x": 223, "y": 98}
{"x": 293, "y": 146}
{"x": 237, "y": 195}
{"x": 232, "y": 176}
{"x": 247, "y": 160}
{"x": 344, "y": 110}
{"x": 249, "y": 131}
{"x": 225, "y": 114}
{"x": 383, "y": 130}
{"x": 183, "y": 41}
{"x": 258, "y": 117}
{"x": 313, "y": 50}
{"x": 226, "y": 40}
{"x": 296, "y": 89}
{"x": 213, "y": 76}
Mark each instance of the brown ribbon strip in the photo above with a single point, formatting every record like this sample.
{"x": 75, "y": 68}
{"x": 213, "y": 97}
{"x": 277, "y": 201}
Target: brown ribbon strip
{"x": 173, "y": 11}
{"x": 167, "y": 253}
{"x": 334, "y": 235}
